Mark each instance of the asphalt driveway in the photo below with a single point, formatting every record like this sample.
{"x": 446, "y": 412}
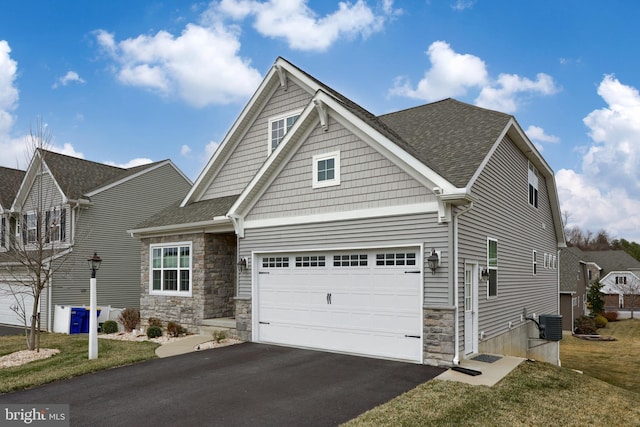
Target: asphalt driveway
{"x": 242, "y": 385}
{"x": 6, "y": 330}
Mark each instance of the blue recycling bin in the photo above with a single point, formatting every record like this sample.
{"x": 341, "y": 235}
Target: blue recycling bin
{"x": 80, "y": 320}
{"x": 79, "y": 316}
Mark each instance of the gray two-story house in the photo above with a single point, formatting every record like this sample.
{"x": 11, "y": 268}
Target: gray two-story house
{"x": 427, "y": 235}
{"x": 63, "y": 209}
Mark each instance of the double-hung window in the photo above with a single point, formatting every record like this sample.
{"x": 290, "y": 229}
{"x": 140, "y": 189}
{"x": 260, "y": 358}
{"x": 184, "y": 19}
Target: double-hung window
{"x": 492, "y": 265}
{"x": 56, "y": 225}
{"x": 30, "y": 232}
{"x": 171, "y": 269}
{"x": 533, "y": 186}
{"x": 535, "y": 262}
{"x": 278, "y": 128}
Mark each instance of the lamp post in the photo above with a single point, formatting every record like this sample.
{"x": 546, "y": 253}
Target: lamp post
{"x": 94, "y": 265}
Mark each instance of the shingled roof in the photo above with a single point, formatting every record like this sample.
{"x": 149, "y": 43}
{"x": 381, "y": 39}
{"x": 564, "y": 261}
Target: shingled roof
{"x": 191, "y": 213}
{"x": 10, "y": 180}
{"x": 76, "y": 177}
{"x": 612, "y": 260}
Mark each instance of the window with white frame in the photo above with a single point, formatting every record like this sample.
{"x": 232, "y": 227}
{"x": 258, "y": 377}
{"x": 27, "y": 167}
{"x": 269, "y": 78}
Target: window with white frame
{"x": 492, "y": 265}
{"x": 56, "y": 225}
{"x": 535, "y": 262}
{"x": 3, "y": 231}
{"x": 546, "y": 260}
{"x": 326, "y": 169}
{"x": 30, "y": 232}
{"x": 279, "y": 126}
{"x": 533, "y": 185}
{"x": 171, "y": 269}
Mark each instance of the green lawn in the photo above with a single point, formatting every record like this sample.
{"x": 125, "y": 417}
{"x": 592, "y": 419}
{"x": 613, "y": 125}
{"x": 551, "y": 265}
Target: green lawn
{"x": 71, "y": 361}
{"x": 534, "y": 394}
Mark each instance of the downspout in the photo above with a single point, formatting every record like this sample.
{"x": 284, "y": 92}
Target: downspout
{"x": 456, "y": 357}
{"x": 49, "y": 296}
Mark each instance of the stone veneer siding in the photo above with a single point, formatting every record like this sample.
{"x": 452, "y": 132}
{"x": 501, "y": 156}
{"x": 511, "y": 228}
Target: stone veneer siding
{"x": 243, "y": 318}
{"x": 439, "y": 336}
{"x": 213, "y": 271}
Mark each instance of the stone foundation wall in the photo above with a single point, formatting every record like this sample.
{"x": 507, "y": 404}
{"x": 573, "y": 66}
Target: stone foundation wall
{"x": 439, "y": 336}
{"x": 213, "y": 282}
{"x": 243, "y": 318}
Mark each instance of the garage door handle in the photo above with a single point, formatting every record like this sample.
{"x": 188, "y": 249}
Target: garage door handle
{"x": 412, "y": 336}
{"x": 328, "y": 298}
{"x": 264, "y": 323}
{"x": 263, "y": 272}
{"x": 412, "y": 272}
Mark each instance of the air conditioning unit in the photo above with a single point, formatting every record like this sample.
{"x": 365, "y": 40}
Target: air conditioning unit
{"x": 550, "y": 327}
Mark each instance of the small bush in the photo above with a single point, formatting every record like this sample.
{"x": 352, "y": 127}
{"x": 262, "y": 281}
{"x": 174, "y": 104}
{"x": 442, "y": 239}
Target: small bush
{"x": 129, "y": 317}
{"x": 585, "y": 326}
{"x": 110, "y": 327}
{"x": 175, "y": 329}
{"x": 154, "y": 331}
{"x": 611, "y": 316}
{"x": 219, "y": 335}
{"x": 600, "y": 321}
{"x": 154, "y": 321}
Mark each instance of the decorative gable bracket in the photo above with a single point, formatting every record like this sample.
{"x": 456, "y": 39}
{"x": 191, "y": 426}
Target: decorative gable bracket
{"x": 322, "y": 112}
{"x": 282, "y": 74}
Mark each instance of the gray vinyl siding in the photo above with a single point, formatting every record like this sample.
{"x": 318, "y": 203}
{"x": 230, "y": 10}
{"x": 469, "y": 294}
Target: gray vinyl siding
{"x": 102, "y": 228}
{"x": 420, "y": 229}
{"x": 44, "y": 194}
{"x": 503, "y": 212}
{"x": 367, "y": 180}
{"x": 252, "y": 151}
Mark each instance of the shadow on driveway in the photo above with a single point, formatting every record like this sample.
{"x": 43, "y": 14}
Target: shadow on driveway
{"x": 6, "y": 330}
{"x": 242, "y": 385}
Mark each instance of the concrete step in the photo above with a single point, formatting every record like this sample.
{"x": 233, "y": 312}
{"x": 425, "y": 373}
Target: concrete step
{"x": 222, "y": 322}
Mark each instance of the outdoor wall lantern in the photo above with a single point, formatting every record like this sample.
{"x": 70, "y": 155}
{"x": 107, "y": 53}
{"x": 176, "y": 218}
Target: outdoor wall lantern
{"x": 484, "y": 275}
{"x": 433, "y": 260}
{"x": 242, "y": 264}
{"x": 94, "y": 265}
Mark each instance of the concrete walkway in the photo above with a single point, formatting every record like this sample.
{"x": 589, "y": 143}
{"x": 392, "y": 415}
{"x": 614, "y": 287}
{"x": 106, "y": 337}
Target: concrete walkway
{"x": 185, "y": 345}
{"x": 491, "y": 373}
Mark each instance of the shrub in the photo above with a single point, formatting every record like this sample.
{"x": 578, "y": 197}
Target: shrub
{"x": 219, "y": 335}
{"x": 175, "y": 329}
{"x": 129, "y": 317}
{"x": 154, "y": 321}
{"x": 600, "y": 321}
{"x": 611, "y": 316}
{"x": 154, "y": 331}
{"x": 585, "y": 326}
{"x": 110, "y": 327}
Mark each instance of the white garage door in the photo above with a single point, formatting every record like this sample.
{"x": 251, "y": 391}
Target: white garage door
{"x": 7, "y": 300}
{"x": 366, "y": 302}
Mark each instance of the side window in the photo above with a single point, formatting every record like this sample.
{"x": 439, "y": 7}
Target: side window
{"x": 278, "y": 128}
{"x": 533, "y": 185}
{"x": 535, "y": 262}
{"x": 492, "y": 265}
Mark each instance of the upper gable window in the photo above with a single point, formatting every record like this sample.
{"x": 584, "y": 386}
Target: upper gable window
{"x": 30, "y": 232}
{"x": 56, "y": 225}
{"x": 278, "y": 128}
{"x": 533, "y": 185}
{"x": 326, "y": 169}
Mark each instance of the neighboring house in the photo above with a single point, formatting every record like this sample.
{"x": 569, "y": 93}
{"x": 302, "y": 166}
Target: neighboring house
{"x": 574, "y": 277}
{"x": 10, "y": 180}
{"x": 619, "y": 275}
{"x": 315, "y": 222}
{"x": 72, "y": 208}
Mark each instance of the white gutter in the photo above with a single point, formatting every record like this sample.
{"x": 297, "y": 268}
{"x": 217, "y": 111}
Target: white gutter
{"x": 456, "y": 357}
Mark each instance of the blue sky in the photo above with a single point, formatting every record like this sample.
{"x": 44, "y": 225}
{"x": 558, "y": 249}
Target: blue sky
{"x": 127, "y": 82}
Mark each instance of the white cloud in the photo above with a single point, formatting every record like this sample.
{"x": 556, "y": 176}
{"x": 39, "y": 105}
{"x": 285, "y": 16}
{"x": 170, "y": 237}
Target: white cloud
{"x": 605, "y": 194}
{"x": 454, "y": 74}
{"x": 211, "y": 148}
{"x": 70, "y": 77}
{"x": 296, "y": 23}
{"x": 131, "y": 163}
{"x": 460, "y": 5}
{"x": 536, "y": 133}
{"x": 8, "y": 90}
{"x": 185, "y": 150}
{"x": 201, "y": 66}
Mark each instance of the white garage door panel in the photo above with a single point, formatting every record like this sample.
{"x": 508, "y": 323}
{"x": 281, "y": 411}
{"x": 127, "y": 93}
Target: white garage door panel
{"x": 7, "y": 300}
{"x": 369, "y": 310}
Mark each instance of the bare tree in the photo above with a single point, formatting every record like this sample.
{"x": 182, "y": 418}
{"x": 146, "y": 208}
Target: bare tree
{"x": 629, "y": 288}
{"x": 37, "y": 248}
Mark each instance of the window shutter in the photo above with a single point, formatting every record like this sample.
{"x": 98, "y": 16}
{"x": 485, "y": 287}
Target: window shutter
{"x": 24, "y": 229}
{"x": 63, "y": 224}
{"x": 47, "y": 225}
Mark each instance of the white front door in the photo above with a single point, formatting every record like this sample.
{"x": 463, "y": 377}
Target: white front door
{"x": 470, "y": 308}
